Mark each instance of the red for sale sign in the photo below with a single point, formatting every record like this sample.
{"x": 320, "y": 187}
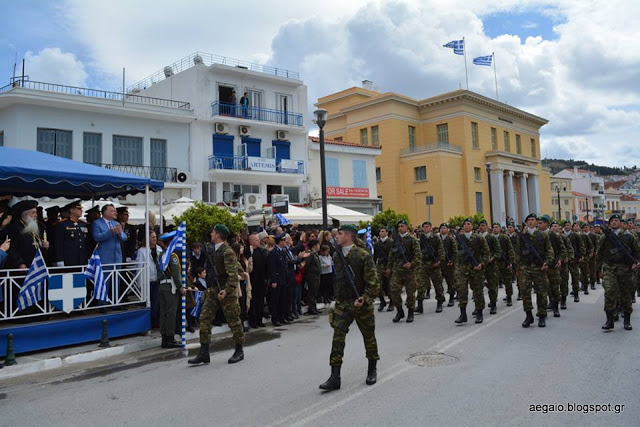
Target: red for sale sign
{"x": 347, "y": 192}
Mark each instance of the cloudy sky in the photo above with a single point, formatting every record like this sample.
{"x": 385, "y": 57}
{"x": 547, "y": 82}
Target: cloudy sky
{"x": 576, "y": 63}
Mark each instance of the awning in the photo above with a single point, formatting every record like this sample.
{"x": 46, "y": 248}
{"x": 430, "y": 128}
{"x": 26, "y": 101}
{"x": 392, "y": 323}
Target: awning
{"x": 344, "y": 215}
{"x": 296, "y": 214}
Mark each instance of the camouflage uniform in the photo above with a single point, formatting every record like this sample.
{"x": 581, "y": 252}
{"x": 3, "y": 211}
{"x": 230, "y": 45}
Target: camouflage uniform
{"x": 564, "y": 270}
{"x": 584, "y": 267}
{"x": 226, "y": 264}
{"x": 532, "y": 276}
{"x": 430, "y": 272}
{"x": 506, "y": 274}
{"x": 517, "y": 263}
{"x": 553, "y": 273}
{"x": 344, "y": 312}
{"x": 381, "y": 251}
{"x": 467, "y": 276}
{"x": 451, "y": 255}
{"x": 580, "y": 251}
{"x": 400, "y": 276}
{"x": 491, "y": 269}
{"x": 593, "y": 272}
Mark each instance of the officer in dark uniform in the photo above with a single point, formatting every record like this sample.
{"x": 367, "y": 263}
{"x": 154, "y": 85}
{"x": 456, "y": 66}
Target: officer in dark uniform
{"x": 71, "y": 238}
{"x": 129, "y": 246}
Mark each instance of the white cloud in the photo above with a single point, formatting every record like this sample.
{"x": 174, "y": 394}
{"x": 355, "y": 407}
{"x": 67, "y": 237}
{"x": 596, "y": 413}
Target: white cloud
{"x": 52, "y": 65}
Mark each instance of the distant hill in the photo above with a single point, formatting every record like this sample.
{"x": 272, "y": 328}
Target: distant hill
{"x": 556, "y": 165}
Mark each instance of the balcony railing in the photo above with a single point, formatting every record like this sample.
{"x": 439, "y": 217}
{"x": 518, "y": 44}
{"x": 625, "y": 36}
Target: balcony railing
{"x": 432, "y": 147}
{"x": 154, "y": 172}
{"x": 256, "y": 113}
{"x": 256, "y": 164}
{"x": 94, "y": 93}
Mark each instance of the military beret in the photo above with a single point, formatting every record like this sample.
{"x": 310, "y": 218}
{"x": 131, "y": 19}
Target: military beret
{"x": 444, "y": 224}
{"x": 483, "y": 221}
{"x": 349, "y": 227}
{"x": 545, "y": 218}
{"x": 72, "y": 205}
{"x": 402, "y": 221}
{"x": 554, "y": 222}
{"x": 467, "y": 220}
{"x": 511, "y": 224}
{"x": 615, "y": 216}
{"x": 427, "y": 223}
{"x": 531, "y": 215}
{"x": 122, "y": 210}
{"x": 222, "y": 230}
{"x": 496, "y": 223}
{"x": 23, "y": 205}
{"x": 89, "y": 211}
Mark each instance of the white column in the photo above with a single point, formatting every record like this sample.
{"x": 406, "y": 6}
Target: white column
{"x": 498, "y": 213}
{"x": 534, "y": 194}
{"x": 511, "y": 198}
{"x": 524, "y": 196}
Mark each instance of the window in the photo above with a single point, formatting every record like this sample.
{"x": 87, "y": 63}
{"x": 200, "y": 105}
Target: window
{"x": 566, "y": 202}
{"x": 474, "y": 135}
{"x": 332, "y": 171}
{"x": 127, "y": 150}
{"x": 244, "y": 189}
{"x": 443, "y": 133}
{"x": 533, "y": 147}
{"x": 420, "y": 173}
{"x": 375, "y": 136}
{"x": 158, "y": 152}
{"x": 208, "y": 192}
{"x": 566, "y": 216}
{"x": 507, "y": 143}
{"x": 364, "y": 136}
{"x": 293, "y": 192}
{"x": 479, "y": 202}
{"x": 54, "y": 141}
{"x": 494, "y": 139}
{"x": 337, "y": 138}
{"x": 412, "y": 137}
{"x": 476, "y": 174}
{"x": 255, "y": 98}
{"x": 360, "y": 174}
{"x": 518, "y": 144}
{"x": 92, "y": 147}
{"x": 378, "y": 175}
{"x": 1, "y": 139}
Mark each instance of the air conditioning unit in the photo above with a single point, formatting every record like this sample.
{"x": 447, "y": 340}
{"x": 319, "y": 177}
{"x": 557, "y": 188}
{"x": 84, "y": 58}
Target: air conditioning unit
{"x": 281, "y": 135}
{"x": 279, "y": 198}
{"x": 183, "y": 177}
{"x": 221, "y": 128}
{"x": 244, "y": 130}
{"x": 253, "y": 201}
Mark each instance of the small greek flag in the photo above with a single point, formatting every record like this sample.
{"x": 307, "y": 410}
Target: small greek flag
{"x": 369, "y": 242}
{"x": 33, "y": 287}
{"x": 483, "y": 60}
{"x": 456, "y": 45}
{"x": 94, "y": 273}
{"x": 281, "y": 219}
{"x": 178, "y": 243}
{"x": 195, "y": 311}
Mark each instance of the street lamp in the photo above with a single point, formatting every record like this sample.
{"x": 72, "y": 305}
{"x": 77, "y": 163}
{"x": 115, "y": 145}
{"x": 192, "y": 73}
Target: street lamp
{"x": 586, "y": 200}
{"x": 559, "y": 209}
{"x": 488, "y": 166}
{"x": 320, "y": 119}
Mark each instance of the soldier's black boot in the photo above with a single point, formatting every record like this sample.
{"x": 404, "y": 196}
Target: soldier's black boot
{"x": 333, "y": 383}
{"x": 463, "y": 315}
{"x": 556, "y": 312}
{"x": 528, "y": 320}
{"x": 585, "y": 289}
{"x": 593, "y": 286}
{"x": 202, "y": 357}
{"x": 509, "y": 301}
{"x": 428, "y": 296}
{"x": 616, "y": 316}
{"x": 542, "y": 321}
{"x": 627, "y": 321}
{"x": 383, "y": 304}
{"x": 420, "y": 308}
{"x": 390, "y": 308}
{"x": 475, "y": 312}
{"x": 372, "y": 372}
{"x": 450, "y": 303}
{"x": 410, "y": 316}
{"x": 519, "y": 296}
{"x": 563, "y": 302}
{"x": 399, "y": 315}
{"x": 609, "y": 324}
{"x": 493, "y": 308}
{"x": 170, "y": 342}
{"x": 439, "y": 307}
{"x": 238, "y": 355}
{"x": 164, "y": 342}
{"x": 576, "y": 297}
{"x": 479, "y": 317}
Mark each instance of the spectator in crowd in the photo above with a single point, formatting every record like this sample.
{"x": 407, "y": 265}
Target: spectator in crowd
{"x": 155, "y": 273}
{"x": 197, "y": 257}
{"x": 71, "y": 238}
{"x": 292, "y": 264}
{"x": 4, "y": 248}
{"x": 299, "y": 242}
{"x": 326, "y": 240}
{"x": 130, "y": 230}
{"x": 271, "y": 243}
{"x": 244, "y": 104}
{"x": 50, "y": 228}
{"x": 259, "y": 278}
{"x": 277, "y": 268}
{"x": 25, "y": 235}
{"x": 313, "y": 270}
{"x": 334, "y": 236}
{"x": 5, "y": 220}
{"x": 326, "y": 274}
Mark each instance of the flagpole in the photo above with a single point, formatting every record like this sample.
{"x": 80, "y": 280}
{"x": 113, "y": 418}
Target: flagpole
{"x": 466, "y": 72}
{"x": 185, "y": 352}
{"x": 495, "y": 73}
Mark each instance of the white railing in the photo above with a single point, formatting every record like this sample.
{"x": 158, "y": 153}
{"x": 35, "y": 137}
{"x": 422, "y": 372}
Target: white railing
{"x": 127, "y": 285}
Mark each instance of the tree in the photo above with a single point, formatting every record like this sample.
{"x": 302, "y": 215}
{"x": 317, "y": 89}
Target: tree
{"x": 456, "y": 221}
{"x": 201, "y": 218}
{"x": 388, "y": 218}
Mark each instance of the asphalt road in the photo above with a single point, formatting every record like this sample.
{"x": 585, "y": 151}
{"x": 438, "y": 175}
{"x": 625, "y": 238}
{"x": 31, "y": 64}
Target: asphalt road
{"x": 485, "y": 375}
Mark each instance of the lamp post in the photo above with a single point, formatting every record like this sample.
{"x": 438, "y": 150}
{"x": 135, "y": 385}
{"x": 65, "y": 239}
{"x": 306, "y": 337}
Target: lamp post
{"x": 559, "y": 209}
{"x": 586, "y": 201}
{"x": 488, "y": 166}
{"x": 320, "y": 119}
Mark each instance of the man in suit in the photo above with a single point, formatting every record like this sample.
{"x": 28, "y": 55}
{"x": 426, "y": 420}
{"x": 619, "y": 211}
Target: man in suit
{"x": 108, "y": 234}
{"x": 277, "y": 268}
{"x": 258, "y": 280}
{"x": 129, "y": 245}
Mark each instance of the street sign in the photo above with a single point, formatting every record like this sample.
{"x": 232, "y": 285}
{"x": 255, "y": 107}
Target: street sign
{"x": 280, "y": 207}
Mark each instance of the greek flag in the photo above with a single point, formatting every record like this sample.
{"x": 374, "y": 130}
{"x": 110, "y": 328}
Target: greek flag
{"x": 281, "y": 219}
{"x": 456, "y": 45}
{"x": 94, "y": 273}
{"x": 33, "y": 287}
{"x": 483, "y": 60}
{"x": 195, "y": 311}
{"x": 369, "y": 243}
{"x": 178, "y": 243}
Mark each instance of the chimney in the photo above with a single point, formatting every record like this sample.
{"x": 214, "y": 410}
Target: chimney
{"x": 367, "y": 84}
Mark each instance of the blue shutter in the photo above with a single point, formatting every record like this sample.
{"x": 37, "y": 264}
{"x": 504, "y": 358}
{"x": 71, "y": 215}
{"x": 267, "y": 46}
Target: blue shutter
{"x": 253, "y": 146}
{"x": 92, "y": 148}
{"x": 360, "y": 174}
{"x": 332, "y": 172}
{"x": 283, "y": 150}
{"x": 223, "y": 149}
{"x": 127, "y": 150}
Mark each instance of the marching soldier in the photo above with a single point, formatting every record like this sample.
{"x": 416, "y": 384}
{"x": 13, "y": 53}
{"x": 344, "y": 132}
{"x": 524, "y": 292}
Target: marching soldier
{"x": 404, "y": 261}
{"x": 564, "y": 270}
{"x": 593, "y": 237}
{"x": 474, "y": 256}
{"x": 515, "y": 244}
{"x": 432, "y": 258}
{"x": 354, "y": 301}
{"x": 71, "y": 238}
{"x": 580, "y": 252}
{"x": 451, "y": 260}
{"x": 491, "y": 271}
{"x": 553, "y": 273}
{"x": 222, "y": 285}
{"x": 505, "y": 263}
{"x": 618, "y": 252}
{"x": 536, "y": 255}
{"x": 584, "y": 267}
{"x": 381, "y": 251}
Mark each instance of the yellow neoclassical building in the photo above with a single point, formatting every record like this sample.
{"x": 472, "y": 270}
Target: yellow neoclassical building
{"x": 438, "y": 151}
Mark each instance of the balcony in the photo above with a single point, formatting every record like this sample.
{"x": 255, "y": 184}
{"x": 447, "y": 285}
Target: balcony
{"x": 440, "y": 146}
{"x": 152, "y": 172}
{"x": 255, "y": 113}
{"x": 255, "y": 164}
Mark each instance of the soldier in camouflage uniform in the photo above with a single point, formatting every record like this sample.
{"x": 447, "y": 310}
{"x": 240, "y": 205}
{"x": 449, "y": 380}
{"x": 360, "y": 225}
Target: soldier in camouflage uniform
{"x": 618, "y": 270}
{"x": 352, "y": 306}
{"x": 491, "y": 271}
{"x": 584, "y": 267}
{"x": 402, "y": 269}
{"x": 515, "y": 244}
{"x": 474, "y": 255}
{"x": 580, "y": 252}
{"x": 381, "y": 252}
{"x": 448, "y": 268}
{"x": 432, "y": 258}
{"x": 505, "y": 263}
{"x": 594, "y": 239}
{"x": 221, "y": 292}
{"x": 637, "y": 275}
{"x": 553, "y": 273}
{"x": 564, "y": 270}
{"x": 534, "y": 269}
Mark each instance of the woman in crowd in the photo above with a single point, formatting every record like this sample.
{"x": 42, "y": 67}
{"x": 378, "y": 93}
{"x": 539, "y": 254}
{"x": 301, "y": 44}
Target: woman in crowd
{"x": 326, "y": 274}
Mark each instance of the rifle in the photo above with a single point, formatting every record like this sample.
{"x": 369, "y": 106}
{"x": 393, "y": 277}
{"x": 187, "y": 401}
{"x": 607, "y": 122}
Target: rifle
{"x": 398, "y": 245}
{"x": 465, "y": 249}
{"x": 426, "y": 247}
{"x": 215, "y": 270}
{"x": 347, "y": 272}
{"x": 529, "y": 248}
{"x": 619, "y": 244}
{"x": 503, "y": 253}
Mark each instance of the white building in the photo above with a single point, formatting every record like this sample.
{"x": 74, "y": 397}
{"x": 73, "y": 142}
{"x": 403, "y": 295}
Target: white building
{"x": 234, "y": 151}
{"x": 351, "y": 175}
{"x": 588, "y": 189}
